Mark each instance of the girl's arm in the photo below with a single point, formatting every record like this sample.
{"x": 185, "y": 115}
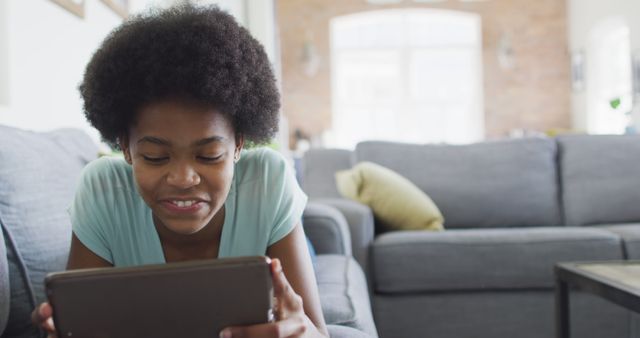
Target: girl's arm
{"x": 298, "y": 311}
{"x": 293, "y": 253}
{"x": 80, "y": 257}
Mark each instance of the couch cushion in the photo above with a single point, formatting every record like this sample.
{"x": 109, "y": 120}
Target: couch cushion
{"x": 600, "y": 178}
{"x": 38, "y": 173}
{"x": 488, "y": 259}
{"x": 319, "y": 167}
{"x": 630, "y": 234}
{"x": 496, "y": 314}
{"x": 491, "y": 184}
{"x": 343, "y": 293}
{"x": 22, "y": 297}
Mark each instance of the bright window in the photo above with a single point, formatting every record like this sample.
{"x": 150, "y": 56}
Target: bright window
{"x": 609, "y": 77}
{"x": 406, "y": 75}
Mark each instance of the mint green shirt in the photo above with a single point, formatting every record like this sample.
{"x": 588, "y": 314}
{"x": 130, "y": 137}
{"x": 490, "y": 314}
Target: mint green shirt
{"x": 111, "y": 219}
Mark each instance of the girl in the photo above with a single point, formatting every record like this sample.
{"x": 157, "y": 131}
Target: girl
{"x": 181, "y": 92}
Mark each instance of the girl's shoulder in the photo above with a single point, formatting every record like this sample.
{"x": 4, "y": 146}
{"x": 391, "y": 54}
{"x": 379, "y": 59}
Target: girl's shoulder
{"x": 260, "y": 162}
{"x": 106, "y": 165}
{"x": 264, "y": 155}
{"x": 108, "y": 172}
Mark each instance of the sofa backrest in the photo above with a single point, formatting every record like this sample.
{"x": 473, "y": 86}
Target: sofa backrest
{"x": 507, "y": 183}
{"x": 318, "y": 171}
{"x": 600, "y": 178}
{"x": 38, "y": 176}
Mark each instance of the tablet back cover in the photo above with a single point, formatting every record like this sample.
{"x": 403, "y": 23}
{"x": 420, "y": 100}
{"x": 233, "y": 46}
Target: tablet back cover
{"x": 193, "y": 299}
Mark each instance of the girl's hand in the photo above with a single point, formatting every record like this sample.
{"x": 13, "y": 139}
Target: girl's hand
{"x": 291, "y": 321}
{"x": 42, "y": 317}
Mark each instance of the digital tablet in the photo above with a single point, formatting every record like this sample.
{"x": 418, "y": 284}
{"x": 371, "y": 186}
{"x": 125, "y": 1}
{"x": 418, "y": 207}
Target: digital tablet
{"x": 190, "y": 299}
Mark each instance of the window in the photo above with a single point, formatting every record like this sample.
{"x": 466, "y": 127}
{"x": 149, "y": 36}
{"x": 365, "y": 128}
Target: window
{"x": 609, "y": 77}
{"x": 406, "y": 75}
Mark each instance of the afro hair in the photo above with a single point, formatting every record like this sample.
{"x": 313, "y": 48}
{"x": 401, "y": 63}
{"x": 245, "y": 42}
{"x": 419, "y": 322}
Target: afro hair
{"x": 192, "y": 52}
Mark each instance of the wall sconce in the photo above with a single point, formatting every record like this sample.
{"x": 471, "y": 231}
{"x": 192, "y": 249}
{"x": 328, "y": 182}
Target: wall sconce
{"x": 635, "y": 68}
{"x": 310, "y": 59}
{"x": 577, "y": 71}
{"x": 506, "y": 56}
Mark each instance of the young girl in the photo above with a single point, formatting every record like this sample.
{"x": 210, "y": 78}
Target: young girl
{"x": 180, "y": 92}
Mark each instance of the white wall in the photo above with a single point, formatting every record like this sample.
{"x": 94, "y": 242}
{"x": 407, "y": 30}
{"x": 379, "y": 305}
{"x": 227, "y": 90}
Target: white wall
{"x": 44, "y": 50}
{"x": 584, "y": 16}
{"x": 4, "y": 56}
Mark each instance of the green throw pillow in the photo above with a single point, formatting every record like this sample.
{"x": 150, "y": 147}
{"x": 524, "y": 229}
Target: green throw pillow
{"x": 394, "y": 199}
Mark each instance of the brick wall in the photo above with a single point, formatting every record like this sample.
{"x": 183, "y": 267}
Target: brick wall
{"x": 534, "y": 94}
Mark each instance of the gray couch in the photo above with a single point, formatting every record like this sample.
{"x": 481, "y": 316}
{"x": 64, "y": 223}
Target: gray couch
{"x": 512, "y": 208}
{"x": 38, "y": 173}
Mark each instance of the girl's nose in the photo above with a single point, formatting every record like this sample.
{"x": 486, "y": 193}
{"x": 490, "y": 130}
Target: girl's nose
{"x": 183, "y": 176}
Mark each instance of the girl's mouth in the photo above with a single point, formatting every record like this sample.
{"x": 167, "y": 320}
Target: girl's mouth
{"x": 182, "y": 206}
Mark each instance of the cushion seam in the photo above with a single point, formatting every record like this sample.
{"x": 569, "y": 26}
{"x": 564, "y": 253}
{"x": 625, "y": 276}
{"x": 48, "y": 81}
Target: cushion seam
{"x": 348, "y": 292}
{"x": 493, "y": 244}
{"x": 21, "y": 264}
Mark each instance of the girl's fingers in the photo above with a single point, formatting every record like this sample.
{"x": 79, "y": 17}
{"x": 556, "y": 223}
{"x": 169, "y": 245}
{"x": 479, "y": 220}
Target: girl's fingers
{"x": 41, "y": 313}
{"x": 42, "y": 317}
{"x": 49, "y": 326}
{"x": 280, "y": 282}
{"x": 288, "y": 299}
{"x": 284, "y": 328}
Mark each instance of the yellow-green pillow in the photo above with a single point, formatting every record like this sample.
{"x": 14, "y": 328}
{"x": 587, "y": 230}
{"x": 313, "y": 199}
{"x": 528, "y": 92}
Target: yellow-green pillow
{"x": 394, "y": 199}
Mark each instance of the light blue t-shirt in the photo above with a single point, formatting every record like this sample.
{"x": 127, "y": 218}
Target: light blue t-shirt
{"x": 110, "y": 217}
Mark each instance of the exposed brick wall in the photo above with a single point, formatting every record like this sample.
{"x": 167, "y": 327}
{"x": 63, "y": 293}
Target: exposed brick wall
{"x": 533, "y": 95}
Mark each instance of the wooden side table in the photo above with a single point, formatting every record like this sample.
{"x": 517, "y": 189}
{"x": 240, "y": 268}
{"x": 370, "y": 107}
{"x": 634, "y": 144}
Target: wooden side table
{"x": 616, "y": 281}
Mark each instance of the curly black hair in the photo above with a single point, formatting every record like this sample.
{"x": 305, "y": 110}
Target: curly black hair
{"x": 193, "y": 52}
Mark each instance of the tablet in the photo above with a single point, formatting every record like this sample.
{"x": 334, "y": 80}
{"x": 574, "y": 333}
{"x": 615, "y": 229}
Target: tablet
{"x": 188, "y": 299}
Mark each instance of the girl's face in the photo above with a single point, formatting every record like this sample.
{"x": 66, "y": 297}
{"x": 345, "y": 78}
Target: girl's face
{"x": 183, "y": 161}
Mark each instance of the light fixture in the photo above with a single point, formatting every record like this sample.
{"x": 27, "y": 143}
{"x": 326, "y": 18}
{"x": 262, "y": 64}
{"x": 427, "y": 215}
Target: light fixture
{"x": 506, "y": 57}
{"x": 309, "y": 58}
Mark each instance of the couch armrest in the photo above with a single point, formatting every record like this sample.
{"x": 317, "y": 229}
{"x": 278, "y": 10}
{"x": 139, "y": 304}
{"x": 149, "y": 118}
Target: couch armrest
{"x": 5, "y": 291}
{"x": 344, "y": 294}
{"x": 327, "y": 229}
{"x": 338, "y": 331}
{"x": 361, "y": 226}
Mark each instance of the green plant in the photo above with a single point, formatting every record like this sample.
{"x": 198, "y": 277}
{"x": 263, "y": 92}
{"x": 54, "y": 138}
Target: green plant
{"x": 615, "y": 104}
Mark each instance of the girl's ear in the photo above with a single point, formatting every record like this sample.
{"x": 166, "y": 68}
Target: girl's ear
{"x": 239, "y": 145}
{"x": 123, "y": 142}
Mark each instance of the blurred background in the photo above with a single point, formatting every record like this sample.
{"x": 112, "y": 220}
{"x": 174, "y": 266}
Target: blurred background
{"x": 420, "y": 71}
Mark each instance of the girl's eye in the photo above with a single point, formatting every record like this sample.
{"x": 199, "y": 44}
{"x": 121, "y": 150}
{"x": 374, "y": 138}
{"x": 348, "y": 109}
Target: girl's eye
{"x": 210, "y": 159}
{"x": 155, "y": 159}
